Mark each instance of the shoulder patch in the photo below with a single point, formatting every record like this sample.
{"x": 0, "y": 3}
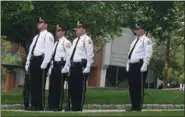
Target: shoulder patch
{"x": 90, "y": 41}
{"x": 51, "y": 38}
{"x": 68, "y": 45}
{"x": 149, "y": 42}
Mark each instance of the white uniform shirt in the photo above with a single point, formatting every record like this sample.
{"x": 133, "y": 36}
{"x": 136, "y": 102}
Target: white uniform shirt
{"x": 84, "y": 50}
{"x": 62, "y": 50}
{"x": 142, "y": 50}
{"x": 44, "y": 47}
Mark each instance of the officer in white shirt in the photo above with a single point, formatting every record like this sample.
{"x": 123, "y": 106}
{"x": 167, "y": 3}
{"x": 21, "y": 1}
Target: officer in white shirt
{"x": 60, "y": 54}
{"x": 137, "y": 66}
{"x": 80, "y": 61}
{"x": 38, "y": 58}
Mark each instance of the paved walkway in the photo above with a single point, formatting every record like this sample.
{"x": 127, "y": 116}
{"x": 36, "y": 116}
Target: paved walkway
{"x": 90, "y": 111}
{"x": 108, "y": 107}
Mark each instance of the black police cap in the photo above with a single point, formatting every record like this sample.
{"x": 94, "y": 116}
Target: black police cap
{"x": 42, "y": 20}
{"x": 140, "y": 25}
{"x": 60, "y": 27}
{"x": 81, "y": 24}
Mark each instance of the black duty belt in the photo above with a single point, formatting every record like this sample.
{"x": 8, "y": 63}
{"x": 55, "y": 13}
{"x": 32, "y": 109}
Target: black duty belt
{"x": 138, "y": 63}
{"x": 76, "y": 63}
{"x": 57, "y": 62}
{"x": 37, "y": 57}
{"x": 83, "y": 63}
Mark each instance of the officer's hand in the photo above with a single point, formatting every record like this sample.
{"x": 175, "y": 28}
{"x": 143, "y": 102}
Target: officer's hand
{"x": 144, "y": 68}
{"x": 43, "y": 66}
{"x": 64, "y": 70}
{"x": 127, "y": 67}
{"x": 27, "y": 66}
{"x": 86, "y": 70}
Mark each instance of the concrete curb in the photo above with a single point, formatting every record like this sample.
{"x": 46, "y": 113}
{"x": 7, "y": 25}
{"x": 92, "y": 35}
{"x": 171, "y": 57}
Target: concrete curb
{"x": 108, "y": 107}
{"x": 96, "y": 111}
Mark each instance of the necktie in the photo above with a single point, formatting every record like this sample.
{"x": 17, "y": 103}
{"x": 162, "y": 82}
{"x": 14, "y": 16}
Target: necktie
{"x": 55, "y": 50}
{"x": 71, "y": 59}
{"x": 35, "y": 44}
{"x": 130, "y": 54}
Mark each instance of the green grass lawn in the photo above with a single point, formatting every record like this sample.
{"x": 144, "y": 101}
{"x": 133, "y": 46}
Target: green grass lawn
{"x": 109, "y": 96}
{"x": 150, "y": 113}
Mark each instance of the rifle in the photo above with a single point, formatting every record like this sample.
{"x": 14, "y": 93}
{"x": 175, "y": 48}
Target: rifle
{"x": 26, "y": 91}
{"x": 68, "y": 103}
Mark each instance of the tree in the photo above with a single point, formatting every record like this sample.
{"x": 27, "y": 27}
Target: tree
{"x": 19, "y": 19}
{"x": 179, "y": 33}
{"x": 160, "y": 18}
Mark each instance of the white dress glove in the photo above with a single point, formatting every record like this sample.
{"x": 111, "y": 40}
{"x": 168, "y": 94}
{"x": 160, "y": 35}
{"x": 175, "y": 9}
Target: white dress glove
{"x": 86, "y": 70}
{"x": 127, "y": 67}
{"x": 144, "y": 68}
{"x": 43, "y": 66}
{"x": 27, "y": 66}
{"x": 65, "y": 69}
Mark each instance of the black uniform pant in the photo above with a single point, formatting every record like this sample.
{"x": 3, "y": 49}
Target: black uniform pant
{"x": 37, "y": 82}
{"x": 136, "y": 82}
{"x": 56, "y": 87}
{"x": 77, "y": 86}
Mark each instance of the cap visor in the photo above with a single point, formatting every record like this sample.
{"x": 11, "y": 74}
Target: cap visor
{"x": 139, "y": 27}
{"x": 81, "y": 25}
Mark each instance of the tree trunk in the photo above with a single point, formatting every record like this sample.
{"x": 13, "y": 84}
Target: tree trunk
{"x": 184, "y": 57}
{"x": 184, "y": 42}
{"x": 167, "y": 53}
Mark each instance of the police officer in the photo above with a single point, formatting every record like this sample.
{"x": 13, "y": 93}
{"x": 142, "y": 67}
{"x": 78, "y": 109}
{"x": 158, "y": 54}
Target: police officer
{"x": 80, "y": 61}
{"x": 60, "y": 54}
{"x": 38, "y": 58}
{"x": 137, "y": 66}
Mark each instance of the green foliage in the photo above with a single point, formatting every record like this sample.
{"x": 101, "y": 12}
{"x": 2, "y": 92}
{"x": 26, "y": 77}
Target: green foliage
{"x": 157, "y": 61}
{"x": 102, "y": 18}
{"x": 176, "y": 36}
{"x": 7, "y": 57}
{"x": 176, "y": 67}
{"x": 182, "y": 77}
{"x": 174, "y": 76}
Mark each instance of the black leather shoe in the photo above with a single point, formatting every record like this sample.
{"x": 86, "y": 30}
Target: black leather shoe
{"x": 76, "y": 110}
{"x": 39, "y": 109}
{"x": 30, "y": 108}
{"x": 48, "y": 109}
{"x": 137, "y": 110}
{"x": 67, "y": 108}
{"x": 131, "y": 109}
{"x": 60, "y": 109}
{"x": 55, "y": 109}
{"x": 27, "y": 108}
